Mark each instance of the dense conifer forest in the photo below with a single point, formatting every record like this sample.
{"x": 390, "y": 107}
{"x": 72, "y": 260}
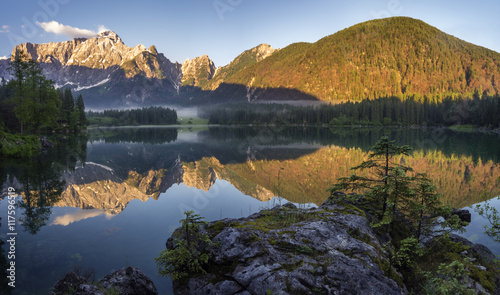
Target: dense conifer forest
{"x": 479, "y": 111}
{"x": 142, "y": 116}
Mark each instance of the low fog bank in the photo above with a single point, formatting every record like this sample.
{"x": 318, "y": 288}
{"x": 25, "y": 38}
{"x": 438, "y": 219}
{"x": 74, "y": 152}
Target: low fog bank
{"x": 181, "y": 111}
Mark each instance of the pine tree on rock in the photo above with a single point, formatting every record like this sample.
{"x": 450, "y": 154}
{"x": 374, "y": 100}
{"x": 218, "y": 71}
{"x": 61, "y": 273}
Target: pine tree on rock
{"x": 380, "y": 162}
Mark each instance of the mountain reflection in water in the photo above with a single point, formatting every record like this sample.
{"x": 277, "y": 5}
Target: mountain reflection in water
{"x": 310, "y": 160}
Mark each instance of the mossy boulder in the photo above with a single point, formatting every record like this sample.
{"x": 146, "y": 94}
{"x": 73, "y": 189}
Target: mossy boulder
{"x": 286, "y": 250}
{"x": 331, "y": 249}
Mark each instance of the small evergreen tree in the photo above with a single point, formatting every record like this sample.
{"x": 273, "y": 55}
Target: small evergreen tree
{"x": 409, "y": 211}
{"x": 189, "y": 255}
{"x": 451, "y": 279}
{"x": 380, "y": 162}
{"x": 398, "y": 190}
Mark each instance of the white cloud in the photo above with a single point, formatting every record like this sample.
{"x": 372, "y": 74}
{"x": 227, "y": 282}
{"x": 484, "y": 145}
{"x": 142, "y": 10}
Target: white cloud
{"x": 102, "y": 29}
{"x": 60, "y": 29}
{"x": 4, "y": 29}
{"x": 79, "y": 215}
{"x": 3, "y": 57}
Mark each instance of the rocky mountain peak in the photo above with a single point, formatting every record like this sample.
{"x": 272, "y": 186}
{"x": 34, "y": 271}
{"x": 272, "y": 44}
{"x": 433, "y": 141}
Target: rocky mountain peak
{"x": 263, "y": 50}
{"x": 198, "y": 69}
{"x": 98, "y": 67}
{"x": 152, "y": 49}
{"x": 110, "y": 35}
{"x": 245, "y": 59}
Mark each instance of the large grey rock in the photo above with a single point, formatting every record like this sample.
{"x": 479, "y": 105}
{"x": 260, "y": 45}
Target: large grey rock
{"x": 128, "y": 281}
{"x": 67, "y": 283}
{"x": 329, "y": 250}
{"x": 463, "y": 214}
{"x": 482, "y": 252}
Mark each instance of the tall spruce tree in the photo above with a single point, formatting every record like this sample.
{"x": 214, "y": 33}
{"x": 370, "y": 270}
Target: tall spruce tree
{"x": 35, "y": 99}
{"x": 80, "y": 109}
{"x": 67, "y": 106}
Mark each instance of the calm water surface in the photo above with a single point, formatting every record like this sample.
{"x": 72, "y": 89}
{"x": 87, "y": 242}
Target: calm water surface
{"x": 111, "y": 198}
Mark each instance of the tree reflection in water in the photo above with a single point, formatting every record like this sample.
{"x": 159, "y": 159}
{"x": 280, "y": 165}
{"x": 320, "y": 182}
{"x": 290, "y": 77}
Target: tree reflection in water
{"x": 42, "y": 188}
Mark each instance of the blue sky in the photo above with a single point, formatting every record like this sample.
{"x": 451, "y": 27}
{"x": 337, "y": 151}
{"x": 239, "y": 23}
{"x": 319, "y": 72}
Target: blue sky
{"x": 222, "y": 29}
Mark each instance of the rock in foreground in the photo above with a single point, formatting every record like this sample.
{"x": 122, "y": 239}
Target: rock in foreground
{"x": 126, "y": 281}
{"x": 327, "y": 250}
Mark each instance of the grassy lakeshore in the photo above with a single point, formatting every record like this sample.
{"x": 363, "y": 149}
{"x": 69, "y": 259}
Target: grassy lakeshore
{"x": 190, "y": 121}
{"x": 181, "y": 122}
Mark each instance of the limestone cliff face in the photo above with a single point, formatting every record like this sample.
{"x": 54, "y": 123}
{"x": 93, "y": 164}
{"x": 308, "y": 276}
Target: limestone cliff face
{"x": 250, "y": 56}
{"x": 242, "y": 61}
{"x": 49, "y": 52}
{"x": 101, "y": 52}
{"x": 197, "y": 71}
{"x": 105, "y": 70}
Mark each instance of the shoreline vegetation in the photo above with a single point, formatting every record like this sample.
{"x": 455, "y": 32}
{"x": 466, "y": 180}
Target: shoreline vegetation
{"x": 138, "y": 116}
{"x": 479, "y": 111}
{"x": 32, "y": 109}
{"x": 456, "y": 128}
{"x": 464, "y": 128}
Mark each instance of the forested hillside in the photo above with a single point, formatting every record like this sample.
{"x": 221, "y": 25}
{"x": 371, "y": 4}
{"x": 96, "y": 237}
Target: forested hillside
{"x": 394, "y": 56}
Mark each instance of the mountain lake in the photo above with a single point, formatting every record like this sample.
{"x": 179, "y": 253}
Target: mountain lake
{"x": 112, "y": 197}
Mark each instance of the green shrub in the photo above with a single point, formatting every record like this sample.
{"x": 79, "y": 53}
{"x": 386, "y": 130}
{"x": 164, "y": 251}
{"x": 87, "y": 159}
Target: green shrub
{"x": 189, "y": 256}
{"x": 450, "y": 279}
{"x": 14, "y": 145}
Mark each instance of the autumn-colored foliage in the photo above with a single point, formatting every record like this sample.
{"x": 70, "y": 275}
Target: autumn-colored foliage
{"x": 460, "y": 179}
{"x": 397, "y": 56}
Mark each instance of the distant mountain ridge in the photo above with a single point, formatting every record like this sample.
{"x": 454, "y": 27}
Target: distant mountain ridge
{"x": 108, "y": 73}
{"x": 393, "y": 56}
{"x": 104, "y": 67}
